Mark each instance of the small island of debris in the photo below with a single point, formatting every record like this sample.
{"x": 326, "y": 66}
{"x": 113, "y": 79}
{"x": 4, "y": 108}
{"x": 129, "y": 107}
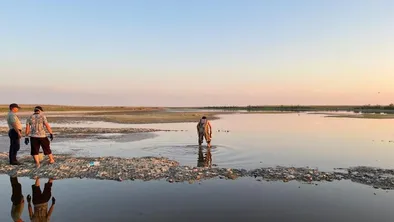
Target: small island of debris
{"x": 158, "y": 168}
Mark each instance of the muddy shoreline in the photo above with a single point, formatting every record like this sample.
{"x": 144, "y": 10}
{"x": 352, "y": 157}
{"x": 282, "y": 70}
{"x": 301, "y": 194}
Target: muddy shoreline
{"x": 125, "y": 116}
{"x": 73, "y": 132}
{"x": 160, "y": 168}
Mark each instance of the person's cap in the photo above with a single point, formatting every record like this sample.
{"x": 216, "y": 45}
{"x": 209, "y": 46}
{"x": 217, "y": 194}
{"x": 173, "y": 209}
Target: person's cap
{"x": 38, "y": 108}
{"x": 14, "y": 105}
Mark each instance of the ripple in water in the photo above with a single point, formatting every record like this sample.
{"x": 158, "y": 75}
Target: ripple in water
{"x": 192, "y": 155}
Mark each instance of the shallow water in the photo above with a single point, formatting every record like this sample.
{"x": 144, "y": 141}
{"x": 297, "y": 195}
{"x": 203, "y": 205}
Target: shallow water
{"x": 255, "y": 140}
{"x": 214, "y": 200}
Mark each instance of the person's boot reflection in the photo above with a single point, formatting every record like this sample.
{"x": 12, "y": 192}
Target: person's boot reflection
{"x": 204, "y": 161}
{"x": 200, "y": 159}
{"x": 40, "y": 201}
{"x": 208, "y": 158}
{"x": 18, "y": 201}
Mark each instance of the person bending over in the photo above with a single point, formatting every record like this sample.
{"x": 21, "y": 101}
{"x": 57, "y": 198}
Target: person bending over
{"x": 204, "y": 130}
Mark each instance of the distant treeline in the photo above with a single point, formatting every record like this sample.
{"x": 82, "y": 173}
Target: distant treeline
{"x": 300, "y": 108}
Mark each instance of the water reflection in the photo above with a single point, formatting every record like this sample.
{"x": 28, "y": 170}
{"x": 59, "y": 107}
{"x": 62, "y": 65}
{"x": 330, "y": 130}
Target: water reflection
{"x": 18, "y": 200}
{"x": 204, "y": 161}
{"x": 40, "y": 201}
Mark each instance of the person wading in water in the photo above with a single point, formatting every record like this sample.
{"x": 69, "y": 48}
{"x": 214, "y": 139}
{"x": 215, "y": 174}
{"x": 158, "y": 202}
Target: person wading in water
{"x": 204, "y": 130}
{"x": 35, "y": 126}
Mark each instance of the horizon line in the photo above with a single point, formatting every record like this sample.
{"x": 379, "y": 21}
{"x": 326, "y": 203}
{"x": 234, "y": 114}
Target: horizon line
{"x": 127, "y": 106}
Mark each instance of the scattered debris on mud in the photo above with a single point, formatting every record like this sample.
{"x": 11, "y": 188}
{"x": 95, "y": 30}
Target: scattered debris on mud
{"x": 72, "y": 132}
{"x": 157, "y": 168}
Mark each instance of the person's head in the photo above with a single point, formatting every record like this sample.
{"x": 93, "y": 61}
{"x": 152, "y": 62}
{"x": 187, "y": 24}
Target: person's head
{"x": 204, "y": 117}
{"x": 14, "y": 107}
{"x": 38, "y": 109}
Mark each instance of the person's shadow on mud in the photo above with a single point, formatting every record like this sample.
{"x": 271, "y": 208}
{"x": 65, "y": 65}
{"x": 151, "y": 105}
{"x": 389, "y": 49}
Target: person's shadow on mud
{"x": 17, "y": 199}
{"x": 40, "y": 202}
{"x": 204, "y": 161}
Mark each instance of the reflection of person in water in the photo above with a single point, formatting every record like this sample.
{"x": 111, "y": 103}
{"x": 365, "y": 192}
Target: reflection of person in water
{"x": 40, "y": 201}
{"x": 204, "y": 161}
{"x": 18, "y": 202}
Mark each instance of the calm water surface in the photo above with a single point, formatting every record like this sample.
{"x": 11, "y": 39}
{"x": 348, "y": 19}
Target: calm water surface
{"x": 253, "y": 140}
{"x": 256, "y": 140}
{"x": 214, "y": 200}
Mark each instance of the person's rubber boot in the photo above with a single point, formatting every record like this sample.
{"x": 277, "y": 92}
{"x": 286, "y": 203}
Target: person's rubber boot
{"x": 16, "y": 162}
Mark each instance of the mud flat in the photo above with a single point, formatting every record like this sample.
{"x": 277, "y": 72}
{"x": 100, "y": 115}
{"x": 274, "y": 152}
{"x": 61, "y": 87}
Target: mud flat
{"x": 71, "y": 132}
{"x": 158, "y": 168}
{"x": 135, "y": 118}
{"x": 125, "y": 117}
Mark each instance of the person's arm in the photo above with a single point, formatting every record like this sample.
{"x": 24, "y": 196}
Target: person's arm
{"x": 48, "y": 128}
{"x": 47, "y": 125}
{"x": 210, "y": 128}
{"x": 27, "y": 131}
{"x": 15, "y": 126}
{"x": 51, "y": 208}
{"x": 29, "y": 207}
{"x": 30, "y": 211}
{"x": 17, "y": 130}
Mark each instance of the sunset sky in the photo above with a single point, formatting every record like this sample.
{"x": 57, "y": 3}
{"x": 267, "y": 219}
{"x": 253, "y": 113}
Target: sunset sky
{"x": 197, "y": 52}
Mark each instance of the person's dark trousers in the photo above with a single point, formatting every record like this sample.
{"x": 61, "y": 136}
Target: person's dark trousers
{"x": 14, "y": 145}
{"x": 17, "y": 196}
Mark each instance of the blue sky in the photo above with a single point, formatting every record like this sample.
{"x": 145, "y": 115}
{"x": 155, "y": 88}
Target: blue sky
{"x": 197, "y": 52}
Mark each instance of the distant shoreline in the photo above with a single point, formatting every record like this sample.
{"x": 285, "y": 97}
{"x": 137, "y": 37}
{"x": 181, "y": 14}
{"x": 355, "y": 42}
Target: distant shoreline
{"x": 157, "y": 115}
{"x": 300, "y": 108}
{"x": 376, "y": 109}
{"x": 363, "y": 116}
